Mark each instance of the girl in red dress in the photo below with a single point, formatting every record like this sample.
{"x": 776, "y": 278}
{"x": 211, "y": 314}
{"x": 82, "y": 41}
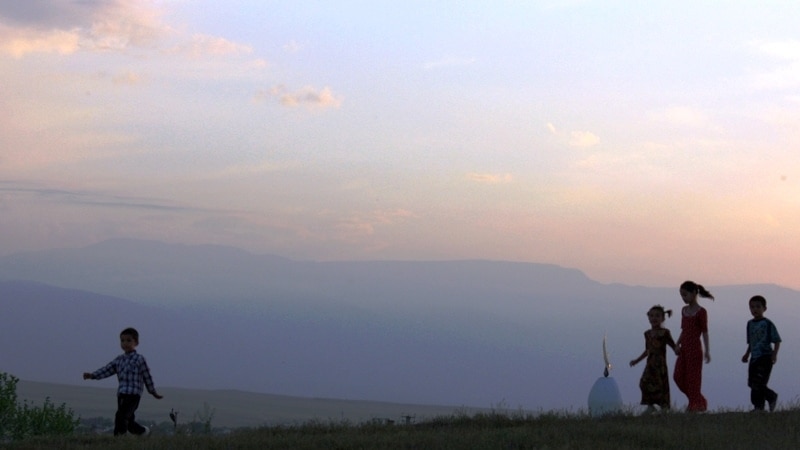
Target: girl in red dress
{"x": 689, "y": 364}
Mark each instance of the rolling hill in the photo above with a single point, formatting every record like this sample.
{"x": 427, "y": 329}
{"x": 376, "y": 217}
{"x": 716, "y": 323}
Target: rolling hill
{"x": 461, "y": 333}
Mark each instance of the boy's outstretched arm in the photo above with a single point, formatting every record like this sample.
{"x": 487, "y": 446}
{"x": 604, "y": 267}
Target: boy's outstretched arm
{"x": 148, "y": 380}
{"x": 103, "y": 372}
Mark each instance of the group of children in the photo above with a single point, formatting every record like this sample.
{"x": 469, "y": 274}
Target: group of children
{"x": 134, "y": 375}
{"x": 763, "y": 343}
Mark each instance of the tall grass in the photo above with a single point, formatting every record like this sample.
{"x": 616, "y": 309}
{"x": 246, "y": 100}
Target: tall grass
{"x": 671, "y": 430}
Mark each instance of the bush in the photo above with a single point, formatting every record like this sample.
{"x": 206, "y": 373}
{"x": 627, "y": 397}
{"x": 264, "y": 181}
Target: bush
{"x": 8, "y": 402}
{"x": 26, "y": 420}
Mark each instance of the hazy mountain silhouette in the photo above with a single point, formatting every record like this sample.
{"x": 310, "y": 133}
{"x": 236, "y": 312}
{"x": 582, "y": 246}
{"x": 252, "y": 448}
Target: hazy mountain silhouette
{"x": 474, "y": 333}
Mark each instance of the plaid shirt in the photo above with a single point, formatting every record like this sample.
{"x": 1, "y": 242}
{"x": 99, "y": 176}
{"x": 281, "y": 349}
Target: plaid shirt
{"x": 132, "y": 373}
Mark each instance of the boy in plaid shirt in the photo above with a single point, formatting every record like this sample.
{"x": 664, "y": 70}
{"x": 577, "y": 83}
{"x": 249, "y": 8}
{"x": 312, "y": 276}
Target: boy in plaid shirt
{"x": 133, "y": 375}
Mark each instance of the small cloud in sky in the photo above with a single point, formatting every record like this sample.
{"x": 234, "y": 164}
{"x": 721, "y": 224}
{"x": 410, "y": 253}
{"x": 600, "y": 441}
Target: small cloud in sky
{"x": 787, "y": 77}
{"x": 449, "y": 61}
{"x": 685, "y": 116}
{"x": 784, "y": 76}
{"x": 771, "y": 221}
{"x": 490, "y": 178}
{"x": 787, "y": 50}
{"x": 127, "y": 78}
{"x": 577, "y": 138}
{"x": 307, "y": 96}
{"x": 117, "y": 25}
{"x": 292, "y": 47}
{"x": 364, "y": 224}
{"x": 204, "y": 45}
{"x": 102, "y": 26}
{"x": 19, "y": 42}
{"x": 240, "y": 170}
{"x": 583, "y": 139}
{"x": 261, "y": 96}
{"x": 259, "y": 63}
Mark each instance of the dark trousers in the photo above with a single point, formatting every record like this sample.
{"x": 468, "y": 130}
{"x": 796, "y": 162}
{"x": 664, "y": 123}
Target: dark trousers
{"x": 125, "y": 419}
{"x": 758, "y": 373}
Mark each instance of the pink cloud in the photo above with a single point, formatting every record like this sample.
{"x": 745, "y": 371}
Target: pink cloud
{"x": 202, "y": 45}
{"x": 364, "y": 224}
{"x": 583, "y": 139}
{"x": 19, "y": 42}
{"x": 121, "y": 24}
{"x": 307, "y": 96}
{"x": 107, "y": 26}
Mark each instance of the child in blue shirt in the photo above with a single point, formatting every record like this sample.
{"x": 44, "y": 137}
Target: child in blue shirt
{"x": 761, "y": 335}
{"x": 133, "y": 375}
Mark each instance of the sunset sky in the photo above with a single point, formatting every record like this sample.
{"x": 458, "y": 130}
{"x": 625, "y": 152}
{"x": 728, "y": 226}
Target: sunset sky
{"x": 641, "y": 142}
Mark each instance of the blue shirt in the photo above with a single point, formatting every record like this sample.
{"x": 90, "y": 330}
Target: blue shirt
{"x": 761, "y": 334}
{"x": 132, "y": 373}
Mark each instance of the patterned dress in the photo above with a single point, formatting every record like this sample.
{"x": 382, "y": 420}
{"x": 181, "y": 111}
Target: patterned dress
{"x": 655, "y": 378}
{"x": 688, "y": 373}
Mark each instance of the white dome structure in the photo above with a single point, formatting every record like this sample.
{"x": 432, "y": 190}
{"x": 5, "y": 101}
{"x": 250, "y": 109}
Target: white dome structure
{"x": 605, "y": 398}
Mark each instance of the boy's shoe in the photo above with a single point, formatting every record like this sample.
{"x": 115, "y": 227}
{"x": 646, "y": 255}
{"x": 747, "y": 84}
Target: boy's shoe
{"x": 146, "y": 431}
{"x": 773, "y": 403}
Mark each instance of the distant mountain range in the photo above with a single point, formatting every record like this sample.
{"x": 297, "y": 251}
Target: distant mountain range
{"x": 461, "y": 333}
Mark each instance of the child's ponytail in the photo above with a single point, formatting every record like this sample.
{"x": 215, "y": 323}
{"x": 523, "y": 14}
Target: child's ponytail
{"x": 702, "y": 292}
{"x": 664, "y": 312}
{"x": 695, "y": 288}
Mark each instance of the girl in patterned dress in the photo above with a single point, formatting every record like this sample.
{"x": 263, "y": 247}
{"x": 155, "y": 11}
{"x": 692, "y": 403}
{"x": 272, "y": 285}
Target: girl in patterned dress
{"x": 654, "y": 383}
{"x": 688, "y": 373}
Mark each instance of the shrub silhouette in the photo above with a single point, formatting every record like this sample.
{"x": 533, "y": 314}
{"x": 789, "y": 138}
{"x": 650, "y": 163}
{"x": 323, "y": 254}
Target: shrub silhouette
{"x": 19, "y": 421}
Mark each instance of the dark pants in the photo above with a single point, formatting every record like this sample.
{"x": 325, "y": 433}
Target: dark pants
{"x": 757, "y": 378}
{"x": 125, "y": 419}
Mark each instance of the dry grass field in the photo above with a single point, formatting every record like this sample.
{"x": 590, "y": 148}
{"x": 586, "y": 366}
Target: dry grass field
{"x": 244, "y": 420}
{"x": 231, "y": 409}
{"x": 679, "y": 431}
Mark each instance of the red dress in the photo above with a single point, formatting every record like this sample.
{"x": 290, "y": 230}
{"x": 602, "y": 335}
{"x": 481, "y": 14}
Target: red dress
{"x": 689, "y": 364}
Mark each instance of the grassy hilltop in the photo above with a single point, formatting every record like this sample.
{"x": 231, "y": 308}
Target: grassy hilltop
{"x": 718, "y": 430}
